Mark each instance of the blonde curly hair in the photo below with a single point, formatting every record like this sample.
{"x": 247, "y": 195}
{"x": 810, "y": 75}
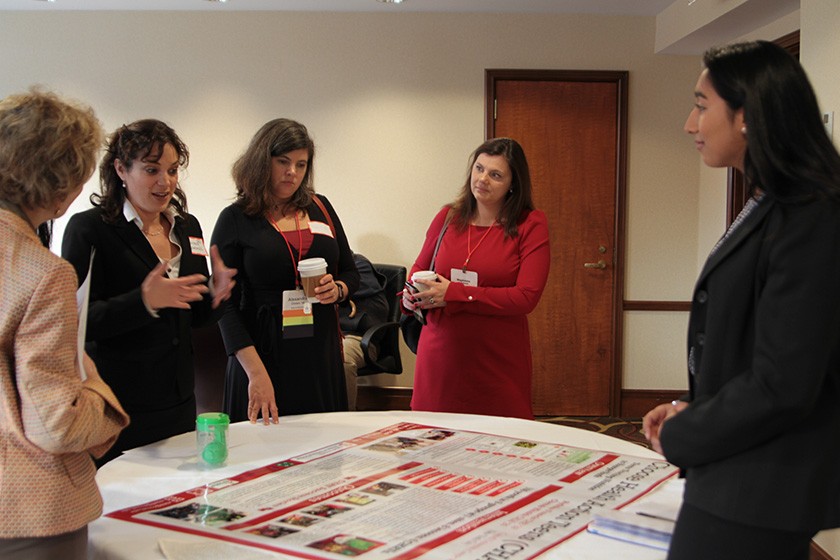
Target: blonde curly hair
{"x": 48, "y": 147}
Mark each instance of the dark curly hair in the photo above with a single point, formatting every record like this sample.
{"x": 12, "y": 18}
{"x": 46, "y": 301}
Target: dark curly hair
{"x": 141, "y": 140}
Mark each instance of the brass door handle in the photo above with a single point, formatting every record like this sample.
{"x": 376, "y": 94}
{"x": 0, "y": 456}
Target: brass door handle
{"x": 600, "y": 264}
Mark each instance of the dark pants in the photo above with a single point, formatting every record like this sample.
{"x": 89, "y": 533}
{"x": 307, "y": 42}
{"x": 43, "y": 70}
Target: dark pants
{"x": 701, "y": 536}
{"x": 68, "y": 546}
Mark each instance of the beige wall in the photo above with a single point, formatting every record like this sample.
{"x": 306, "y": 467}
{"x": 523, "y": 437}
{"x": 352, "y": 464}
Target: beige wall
{"x": 820, "y": 20}
{"x": 395, "y": 104}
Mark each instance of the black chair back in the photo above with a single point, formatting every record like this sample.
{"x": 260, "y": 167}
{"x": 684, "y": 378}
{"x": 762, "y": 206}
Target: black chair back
{"x": 386, "y": 336}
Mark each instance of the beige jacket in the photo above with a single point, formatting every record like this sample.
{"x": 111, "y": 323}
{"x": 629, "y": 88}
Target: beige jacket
{"x": 51, "y": 421}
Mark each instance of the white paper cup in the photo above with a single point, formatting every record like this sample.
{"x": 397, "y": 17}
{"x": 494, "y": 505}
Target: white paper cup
{"x": 311, "y": 272}
{"x": 423, "y": 275}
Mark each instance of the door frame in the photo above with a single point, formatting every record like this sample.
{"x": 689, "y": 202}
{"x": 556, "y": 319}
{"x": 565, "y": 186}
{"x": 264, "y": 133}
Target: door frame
{"x": 620, "y": 78}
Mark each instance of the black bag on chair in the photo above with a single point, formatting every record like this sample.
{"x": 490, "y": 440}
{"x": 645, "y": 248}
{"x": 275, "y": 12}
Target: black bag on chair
{"x": 411, "y": 328}
{"x": 410, "y": 325}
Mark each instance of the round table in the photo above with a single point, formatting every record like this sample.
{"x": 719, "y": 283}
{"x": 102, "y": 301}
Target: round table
{"x": 168, "y": 467}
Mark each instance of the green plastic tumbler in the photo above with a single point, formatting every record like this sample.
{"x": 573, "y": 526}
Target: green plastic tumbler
{"x": 211, "y": 434}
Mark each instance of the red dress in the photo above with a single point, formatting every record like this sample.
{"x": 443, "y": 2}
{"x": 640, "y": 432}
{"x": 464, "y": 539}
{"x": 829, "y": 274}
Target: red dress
{"x": 474, "y": 355}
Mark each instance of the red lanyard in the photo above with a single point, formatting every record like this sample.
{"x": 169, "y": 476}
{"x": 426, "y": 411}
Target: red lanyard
{"x": 471, "y": 250}
{"x": 289, "y": 245}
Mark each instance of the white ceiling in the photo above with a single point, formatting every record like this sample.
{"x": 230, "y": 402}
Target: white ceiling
{"x": 614, "y": 7}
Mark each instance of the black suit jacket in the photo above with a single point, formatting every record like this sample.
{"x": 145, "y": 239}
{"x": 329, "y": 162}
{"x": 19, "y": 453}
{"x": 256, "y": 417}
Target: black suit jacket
{"x": 760, "y": 440}
{"x": 147, "y": 361}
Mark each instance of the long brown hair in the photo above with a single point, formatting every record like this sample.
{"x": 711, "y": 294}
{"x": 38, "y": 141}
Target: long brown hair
{"x": 517, "y": 200}
{"x": 252, "y": 171}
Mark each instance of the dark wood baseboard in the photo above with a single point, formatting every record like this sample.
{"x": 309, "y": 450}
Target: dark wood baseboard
{"x": 371, "y": 397}
{"x": 634, "y": 402}
{"x": 656, "y": 305}
{"x": 818, "y": 553}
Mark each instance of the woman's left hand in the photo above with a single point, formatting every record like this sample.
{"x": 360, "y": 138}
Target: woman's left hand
{"x": 222, "y": 281}
{"x": 653, "y": 421}
{"x": 327, "y": 291}
{"x": 434, "y": 294}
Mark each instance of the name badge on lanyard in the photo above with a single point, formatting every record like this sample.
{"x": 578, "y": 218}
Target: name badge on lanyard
{"x": 297, "y": 320}
{"x": 465, "y": 277}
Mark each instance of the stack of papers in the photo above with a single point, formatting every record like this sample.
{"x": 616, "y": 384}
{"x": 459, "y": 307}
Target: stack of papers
{"x": 649, "y": 522}
{"x": 634, "y": 528}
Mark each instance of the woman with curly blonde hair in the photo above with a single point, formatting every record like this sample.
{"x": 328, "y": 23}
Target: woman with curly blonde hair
{"x": 57, "y": 411}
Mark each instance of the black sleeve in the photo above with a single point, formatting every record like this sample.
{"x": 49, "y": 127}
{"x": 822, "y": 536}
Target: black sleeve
{"x": 347, "y": 271}
{"x": 226, "y": 237}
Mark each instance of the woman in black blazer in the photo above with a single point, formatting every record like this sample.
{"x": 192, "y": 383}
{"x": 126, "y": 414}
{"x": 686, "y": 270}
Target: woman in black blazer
{"x": 758, "y": 435}
{"x": 148, "y": 281}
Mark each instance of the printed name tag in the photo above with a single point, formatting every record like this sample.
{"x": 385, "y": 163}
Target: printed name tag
{"x": 320, "y": 228}
{"x": 197, "y": 246}
{"x": 297, "y": 319}
{"x": 465, "y": 277}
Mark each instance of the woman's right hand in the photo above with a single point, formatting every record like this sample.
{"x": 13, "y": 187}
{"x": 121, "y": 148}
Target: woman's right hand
{"x": 261, "y": 400}
{"x": 408, "y": 300}
{"x": 160, "y": 291}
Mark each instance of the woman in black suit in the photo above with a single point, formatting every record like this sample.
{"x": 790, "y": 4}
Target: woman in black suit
{"x": 758, "y": 435}
{"x": 148, "y": 281}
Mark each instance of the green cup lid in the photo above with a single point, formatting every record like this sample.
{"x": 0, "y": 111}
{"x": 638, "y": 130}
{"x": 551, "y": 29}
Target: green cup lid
{"x": 207, "y": 419}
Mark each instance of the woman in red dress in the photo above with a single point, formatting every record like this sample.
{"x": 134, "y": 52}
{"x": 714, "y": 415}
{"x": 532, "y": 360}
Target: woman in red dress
{"x": 474, "y": 355}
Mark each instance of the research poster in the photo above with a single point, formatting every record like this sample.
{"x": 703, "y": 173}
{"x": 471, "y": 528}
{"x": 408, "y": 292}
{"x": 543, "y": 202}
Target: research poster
{"x": 412, "y": 490}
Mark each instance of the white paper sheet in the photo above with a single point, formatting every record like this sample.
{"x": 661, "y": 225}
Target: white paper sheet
{"x": 82, "y": 297}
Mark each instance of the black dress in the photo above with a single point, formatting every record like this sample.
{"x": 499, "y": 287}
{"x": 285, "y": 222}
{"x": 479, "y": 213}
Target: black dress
{"x": 307, "y": 373}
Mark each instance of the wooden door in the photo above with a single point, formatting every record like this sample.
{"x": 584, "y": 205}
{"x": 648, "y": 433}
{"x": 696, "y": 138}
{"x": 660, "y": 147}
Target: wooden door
{"x": 571, "y": 126}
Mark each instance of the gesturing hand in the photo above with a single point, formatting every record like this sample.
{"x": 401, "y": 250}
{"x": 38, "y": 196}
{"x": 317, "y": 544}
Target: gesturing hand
{"x": 160, "y": 291}
{"x": 222, "y": 278}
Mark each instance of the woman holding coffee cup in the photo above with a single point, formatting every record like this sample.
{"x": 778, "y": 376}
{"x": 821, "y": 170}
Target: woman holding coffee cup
{"x": 280, "y": 328}
{"x": 490, "y": 269}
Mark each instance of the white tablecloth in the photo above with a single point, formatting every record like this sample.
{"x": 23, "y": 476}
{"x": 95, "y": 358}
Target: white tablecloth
{"x": 167, "y": 467}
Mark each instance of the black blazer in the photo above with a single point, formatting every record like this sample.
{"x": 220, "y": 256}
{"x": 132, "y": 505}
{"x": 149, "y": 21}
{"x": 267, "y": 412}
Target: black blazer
{"x": 760, "y": 440}
{"x": 147, "y": 361}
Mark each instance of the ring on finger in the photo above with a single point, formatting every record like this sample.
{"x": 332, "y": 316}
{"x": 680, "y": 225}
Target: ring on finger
{"x": 432, "y": 300}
